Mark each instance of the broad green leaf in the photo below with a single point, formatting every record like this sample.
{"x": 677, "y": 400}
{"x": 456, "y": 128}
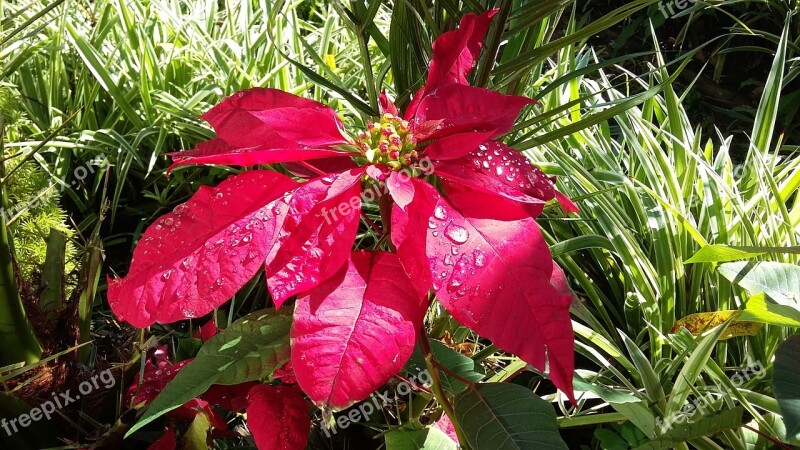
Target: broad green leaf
{"x": 712, "y": 424}
{"x": 787, "y": 384}
{"x": 430, "y": 438}
{"x": 250, "y": 349}
{"x": 700, "y": 322}
{"x": 761, "y": 309}
{"x": 454, "y": 361}
{"x": 497, "y": 416}
{"x": 779, "y": 281}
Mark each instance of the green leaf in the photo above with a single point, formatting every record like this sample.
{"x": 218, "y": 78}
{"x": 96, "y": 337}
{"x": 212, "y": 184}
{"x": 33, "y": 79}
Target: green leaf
{"x": 712, "y": 424}
{"x": 250, "y": 349}
{"x": 454, "y": 361}
{"x": 196, "y": 437}
{"x": 633, "y": 408}
{"x": 761, "y": 309}
{"x": 419, "y": 439}
{"x": 787, "y": 385}
{"x": 497, "y": 416}
{"x": 725, "y": 253}
{"x": 779, "y": 281}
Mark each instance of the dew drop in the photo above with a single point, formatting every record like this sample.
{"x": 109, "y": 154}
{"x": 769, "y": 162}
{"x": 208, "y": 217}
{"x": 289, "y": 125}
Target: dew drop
{"x": 457, "y": 234}
{"x": 480, "y": 258}
{"x": 440, "y": 212}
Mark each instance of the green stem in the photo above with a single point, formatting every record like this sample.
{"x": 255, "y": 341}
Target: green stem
{"x": 17, "y": 338}
{"x": 592, "y": 419}
{"x": 437, "y": 389}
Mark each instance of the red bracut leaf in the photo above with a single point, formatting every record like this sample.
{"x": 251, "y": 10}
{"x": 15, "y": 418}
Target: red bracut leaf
{"x": 456, "y": 146}
{"x": 455, "y": 52}
{"x": 454, "y": 56}
{"x": 195, "y": 258}
{"x": 468, "y": 109}
{"x": 273, "y": 119}
{"x": 401, "y": 188}
{"x": 386, "y": 105}
{"x": 355, "y": 331}
{"x": 496, "y": 168}
{"x": 167, "y": 441}
{"x": 278, "y": 417}
{"x": 217, "y": 151}
{"x": 566, "y": 204}
{"x": 489, "y": 273}
{"x": 319, "y": 228}
{"x": 408, "y": 234}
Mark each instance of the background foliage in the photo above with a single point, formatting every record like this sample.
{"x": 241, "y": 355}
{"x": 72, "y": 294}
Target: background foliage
{"x": 637, "y": 118}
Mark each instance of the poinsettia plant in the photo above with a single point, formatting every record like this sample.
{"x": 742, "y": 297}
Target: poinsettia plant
{"x": 457, "y": 225}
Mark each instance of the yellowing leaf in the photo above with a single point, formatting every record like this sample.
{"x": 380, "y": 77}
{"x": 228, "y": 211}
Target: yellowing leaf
{"x": 330, "y": 60}
{"x": 700, "y": 322}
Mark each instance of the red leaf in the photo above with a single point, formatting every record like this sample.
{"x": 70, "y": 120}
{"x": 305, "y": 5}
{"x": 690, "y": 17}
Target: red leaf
{"x": 195, "y": 258}
{"x": 408, "y": 234}
{"x": 206, "y": 331}
{"x": 285, "y": 374}
{"x": 274, "y": 119}
{"x": 446, "y": 426}
{"x": 232, "y": 398}
{"x": 356, "y": 331}
{"x": 278, "y": 417}
{"x": 316, "y": 167}
{"x": 401, "y": 188}
{"x": 217, "y": 151}
{"x": 489, "y": 273}
{"x": 455, "y": 52}
{"x": 566, "y": 204}
{"x": 146, "y": 388}
{"x": 387, "y": 106}
{"x": 167, "y": 441}
{"x": 319, "y": 228}
{"x": 496, "y": 168}
{"x": 468, "y": 109}
{"x": 456, "y": 146}
{"x": 454, "y": 56}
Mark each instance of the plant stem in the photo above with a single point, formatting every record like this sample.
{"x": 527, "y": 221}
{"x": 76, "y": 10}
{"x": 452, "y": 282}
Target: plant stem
{"x": 436, "y": 387}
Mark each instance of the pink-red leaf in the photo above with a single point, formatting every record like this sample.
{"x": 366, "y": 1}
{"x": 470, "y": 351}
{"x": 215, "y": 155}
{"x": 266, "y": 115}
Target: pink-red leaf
{"x": 468, "y": 109}
{"x": 356, "y": 331}
{"x": 456, "y": 146}
{"x": 386, "y": 105}
{"x": 455, "y": 52}
{"x": 275, "y": 119}
{"x": 167, "y": 441}
{"x": 496, "y": 168}
{"x": 401, "y": 188}
{"x": 319, "y": 227}
{"x": 408, "y": 235}
{"x": 217, "y": 151}
{"x": 489, "y": 273}
{"x": 195, "y": 258}
{"x": 278, "y": 417}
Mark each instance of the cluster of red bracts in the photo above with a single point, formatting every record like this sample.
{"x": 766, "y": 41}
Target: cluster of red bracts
{"x": 476, "y": 243}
